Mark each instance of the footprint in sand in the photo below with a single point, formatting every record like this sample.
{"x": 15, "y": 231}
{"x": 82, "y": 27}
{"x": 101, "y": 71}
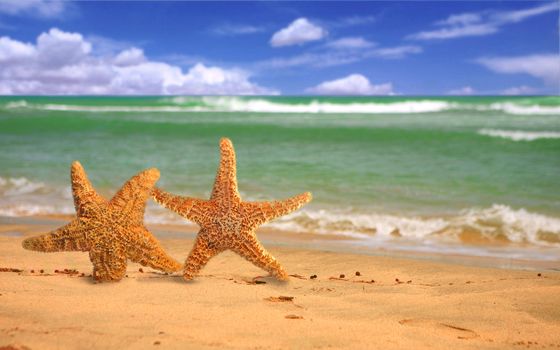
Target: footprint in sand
{"x": 449, "y": 329}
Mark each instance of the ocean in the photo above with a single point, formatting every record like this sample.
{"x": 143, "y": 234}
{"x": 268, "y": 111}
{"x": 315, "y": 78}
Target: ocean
{"x": 467, "y": 175}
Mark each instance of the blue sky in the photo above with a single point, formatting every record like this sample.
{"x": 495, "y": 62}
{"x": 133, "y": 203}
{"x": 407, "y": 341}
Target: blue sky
{"x": 290, "y": 48}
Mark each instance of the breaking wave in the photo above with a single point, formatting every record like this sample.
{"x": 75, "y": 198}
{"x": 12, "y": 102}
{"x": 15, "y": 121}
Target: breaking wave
{"x": 23, "y": 197}
{"x": 232, "y": 104}
{"x": 19, "y": 186}
{"x": 521, "y": 109}
{"x": 520, "y": 135}
{"x": 497, "y": 224}
{"x": 276, "y": 105}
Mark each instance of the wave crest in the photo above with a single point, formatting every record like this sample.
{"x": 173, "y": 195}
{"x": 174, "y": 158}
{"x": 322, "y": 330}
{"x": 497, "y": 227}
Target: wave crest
{"x": 497, "y": 224}
{"x": 522, "y": 109}
{"x": 520, "y": 135}
{"x": 181, "y": 104}
{"x": 19, "y": 186}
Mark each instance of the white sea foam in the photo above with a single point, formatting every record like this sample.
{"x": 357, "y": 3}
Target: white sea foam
{"x": 84, "y": 108}
{"x": 512, "y": 108}
{"x": 234, "y": 104}
{"x": 23, "y": 197}
{"x": 19, "y": 186}
{"x": 496, "y": 223}
{"x": 358, "y": 225}
{"x": 17, "y": 104}
{"x": 19, "y": 210}
{"x": 520, "y": 135}
{"x": 314, "y": 106}
{"x": 518, "y": 226}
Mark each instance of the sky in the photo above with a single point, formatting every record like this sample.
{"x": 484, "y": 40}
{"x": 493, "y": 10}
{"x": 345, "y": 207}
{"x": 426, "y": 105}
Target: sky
{"x": 279, "y": 48}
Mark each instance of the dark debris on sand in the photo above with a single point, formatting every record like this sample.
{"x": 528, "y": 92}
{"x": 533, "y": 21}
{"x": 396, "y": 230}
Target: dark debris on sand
{"x": 9, "y": 269}
{"x": 280, "y": 299}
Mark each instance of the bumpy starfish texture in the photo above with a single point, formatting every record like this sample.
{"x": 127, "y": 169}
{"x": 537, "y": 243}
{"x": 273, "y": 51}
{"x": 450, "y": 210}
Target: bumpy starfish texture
{"x": 111, "y": 231}
{"x": 226, "y": 221}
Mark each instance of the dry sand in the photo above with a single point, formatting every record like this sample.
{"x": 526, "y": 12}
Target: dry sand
{"x": 395, "y": 303}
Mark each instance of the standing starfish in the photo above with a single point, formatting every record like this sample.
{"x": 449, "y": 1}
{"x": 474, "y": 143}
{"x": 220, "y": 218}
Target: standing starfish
{"x": 111, "y": 231}
{"x": 227, "y": 222}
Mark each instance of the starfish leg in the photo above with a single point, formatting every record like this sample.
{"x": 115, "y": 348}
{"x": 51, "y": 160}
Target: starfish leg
{"x": 253, "y": 251}
{"x": 67, "y": 238}
{"x": 261, "y": 212}
{"x": 150, "y": 253}
{"x": 109, "y": 263}
{"x": 225, "y": 185}
{"x": 131, "y": 199}
{"x": 86, "y": 199}
{"x": 187, "y": 207}
{"x": 198, "y": 258}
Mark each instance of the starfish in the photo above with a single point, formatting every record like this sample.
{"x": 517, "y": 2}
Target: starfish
{"x": 111, "y": 231}
{"x": 226, "y": 221}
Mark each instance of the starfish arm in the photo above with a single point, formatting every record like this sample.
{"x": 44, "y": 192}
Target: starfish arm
{"x": 253, "y": 251}
{"x": 109, "y": 262}
{"x": 199, "y": 256}
{"x": 260, "y": 212}
{"x": 187, "y": 207}
{"x": 86, "y": 199}
{"x": 71, "y": 237}
{"x": 147, "y": 251}
{"x": 225, "y": 185}
{"x": 130, "y": 201}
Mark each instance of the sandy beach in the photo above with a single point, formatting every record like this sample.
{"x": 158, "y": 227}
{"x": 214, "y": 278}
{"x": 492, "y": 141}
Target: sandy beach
{"x": 356, "y": 301}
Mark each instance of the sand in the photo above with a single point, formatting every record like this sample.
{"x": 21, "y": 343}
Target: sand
{"x": 394, "y": 303}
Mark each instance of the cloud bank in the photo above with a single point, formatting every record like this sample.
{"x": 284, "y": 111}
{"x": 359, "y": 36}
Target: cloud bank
{"x": 65, "y": 63}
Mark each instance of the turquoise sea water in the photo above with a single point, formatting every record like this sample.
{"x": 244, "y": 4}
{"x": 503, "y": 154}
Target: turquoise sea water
{"x": 423, "y": 172}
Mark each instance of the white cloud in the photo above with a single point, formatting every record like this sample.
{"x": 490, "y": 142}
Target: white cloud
{"x": 350, "y": 43}
{"x": 519, "y": 90}
{"x": 298, "y": 32}
{"x": 480, "y": 24}
{"x": 337, "y": 57}
{"x": 12, "y": 50}
{"x": 354, "y": 21}
{"x": 465, "y": 90}
{"x": 57, "y": 48}
{"x": 65, "y": 63}
{"x": 520, "y": 15}
{"x": 38, "y": 8}
{"x": 395, "y": 52}
{"x": 229, "y": 29}
{"x": 461, "y": 19}
{"x": 130, "y": 57}
{"x": 456, "y": 32}
{"x": 106, "y": 46}
{"x": 542, "y": 66}
{"x": 354, "y": 84}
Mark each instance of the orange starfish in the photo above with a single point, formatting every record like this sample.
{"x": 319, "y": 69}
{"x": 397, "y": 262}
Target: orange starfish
{"x": 111, "y": 231}
{"x": 226, "y": 221}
